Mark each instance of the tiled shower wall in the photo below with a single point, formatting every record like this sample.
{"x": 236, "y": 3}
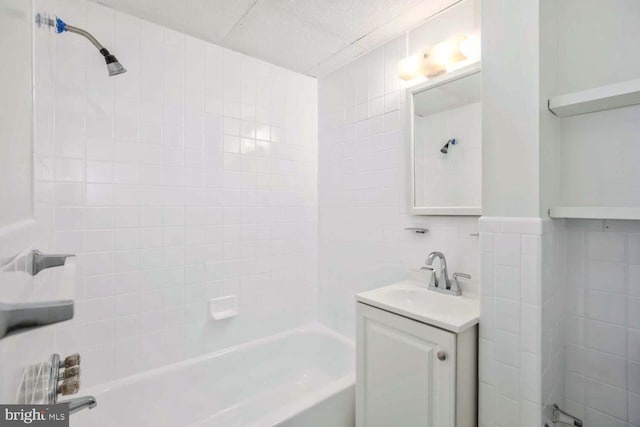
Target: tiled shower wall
{"x": 189, "y": 177}
{"x": 521, "y": 346}
{"x": 364, "y": 176}
{"x": 603, "y": 322}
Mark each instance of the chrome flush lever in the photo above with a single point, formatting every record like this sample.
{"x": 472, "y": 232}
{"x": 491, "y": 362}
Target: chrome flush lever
{"x": 37, "y": 261}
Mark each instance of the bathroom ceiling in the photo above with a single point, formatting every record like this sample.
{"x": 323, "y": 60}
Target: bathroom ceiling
{"x": 311, "y": 37}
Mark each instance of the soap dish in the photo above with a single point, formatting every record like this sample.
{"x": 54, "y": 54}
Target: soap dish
{"x": 223, "y": 307}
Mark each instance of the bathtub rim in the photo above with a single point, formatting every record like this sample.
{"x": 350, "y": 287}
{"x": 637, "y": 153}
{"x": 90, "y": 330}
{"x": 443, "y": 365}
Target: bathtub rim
{"x": 307, "y": 328}
{"x": 302, "y": 404}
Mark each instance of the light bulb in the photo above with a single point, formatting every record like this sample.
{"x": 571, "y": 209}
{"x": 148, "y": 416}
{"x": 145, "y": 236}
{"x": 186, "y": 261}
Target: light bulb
{"x": 410, "y": 67}
{"x": 470, "y": 47}
{"x": 446, "y": 53}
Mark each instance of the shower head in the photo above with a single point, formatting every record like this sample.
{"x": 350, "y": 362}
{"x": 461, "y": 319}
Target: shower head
{"x": 445, "y": 147}
{"x": 114, "y": 67}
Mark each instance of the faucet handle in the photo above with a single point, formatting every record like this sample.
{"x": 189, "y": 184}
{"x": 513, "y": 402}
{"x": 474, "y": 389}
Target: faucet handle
{"x": 455, "y": 286}
{"x": 73, "y": 371}
{"x": 434, "y": 282}
{"x": 463, "y": 275}
{"x": 71, "y": 360}
{"x": 434, "y": 277}
{"x": 69, "y": 386}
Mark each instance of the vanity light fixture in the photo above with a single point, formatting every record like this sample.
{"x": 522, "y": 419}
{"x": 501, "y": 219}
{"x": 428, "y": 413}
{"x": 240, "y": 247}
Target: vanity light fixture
{"x": 440, "y": 58}
{"x": 443, "y": 54}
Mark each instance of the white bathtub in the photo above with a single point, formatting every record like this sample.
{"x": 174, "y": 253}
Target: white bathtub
{"x": 301, "y": 378}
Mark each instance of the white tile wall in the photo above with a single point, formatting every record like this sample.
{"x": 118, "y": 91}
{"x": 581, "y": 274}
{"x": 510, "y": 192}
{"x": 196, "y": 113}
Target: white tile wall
{"x": 363, "y": 177}
{"x": 576, "y": 339}
{"x": 520, "y": 353}
{"x": 602, "y": 378}
{"x": 191, "y": 176}
{"x": 552, "y": 272}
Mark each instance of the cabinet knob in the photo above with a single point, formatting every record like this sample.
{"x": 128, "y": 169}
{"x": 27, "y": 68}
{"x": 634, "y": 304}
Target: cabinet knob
{"x": 442, "y": 355}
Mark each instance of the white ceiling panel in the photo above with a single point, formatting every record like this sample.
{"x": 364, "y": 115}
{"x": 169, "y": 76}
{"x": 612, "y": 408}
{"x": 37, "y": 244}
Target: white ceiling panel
{"x": 350, "y": 20}
{"x": 210, "y": 20}
{"x": 311, "y": 37}
{"x": 272, "y": 33}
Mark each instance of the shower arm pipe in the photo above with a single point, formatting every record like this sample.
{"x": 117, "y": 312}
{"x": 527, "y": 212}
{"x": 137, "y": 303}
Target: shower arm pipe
{"x": 62, "y": 26}
{"x": 86, "y": 34}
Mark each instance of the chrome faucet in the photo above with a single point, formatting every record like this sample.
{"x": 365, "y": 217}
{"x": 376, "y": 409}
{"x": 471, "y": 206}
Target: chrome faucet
{"x": 64, "y": 379}
{"x": 79, "y": 403}
{"x": 440, "y": 281}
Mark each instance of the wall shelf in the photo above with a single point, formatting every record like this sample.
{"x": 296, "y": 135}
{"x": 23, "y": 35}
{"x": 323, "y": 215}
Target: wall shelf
{"x": 595, "y": 212}
{"x": 601, "y": 98}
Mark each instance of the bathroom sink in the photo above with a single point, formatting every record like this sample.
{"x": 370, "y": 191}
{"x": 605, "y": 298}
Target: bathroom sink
{"x": 412, "y": 299}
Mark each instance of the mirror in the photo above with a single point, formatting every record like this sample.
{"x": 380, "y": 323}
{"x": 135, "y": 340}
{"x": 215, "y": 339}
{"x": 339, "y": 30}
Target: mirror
{"x": 446, "y": 147}
{"x": 15, "y": 111}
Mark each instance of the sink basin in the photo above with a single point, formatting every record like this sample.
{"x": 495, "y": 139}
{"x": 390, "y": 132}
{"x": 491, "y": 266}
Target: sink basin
{"x": 413, "y": 300}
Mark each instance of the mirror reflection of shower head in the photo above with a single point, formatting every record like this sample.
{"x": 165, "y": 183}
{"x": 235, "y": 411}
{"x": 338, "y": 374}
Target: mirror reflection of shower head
{"x": 445, "y": 147}
{"x": 113, "y": 65}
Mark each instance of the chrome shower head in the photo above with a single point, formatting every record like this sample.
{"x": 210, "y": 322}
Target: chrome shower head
{"x": 113, "y": 65}
{"x": 115, "y": 68}
{"x": 445, "y": 147}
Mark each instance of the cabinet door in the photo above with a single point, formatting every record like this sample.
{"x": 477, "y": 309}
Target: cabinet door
{"x": 400, "y": 380}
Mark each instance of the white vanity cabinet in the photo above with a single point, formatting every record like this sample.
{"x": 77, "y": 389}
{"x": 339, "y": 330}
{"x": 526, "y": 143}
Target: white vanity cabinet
{"x": 412, "y": 374}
